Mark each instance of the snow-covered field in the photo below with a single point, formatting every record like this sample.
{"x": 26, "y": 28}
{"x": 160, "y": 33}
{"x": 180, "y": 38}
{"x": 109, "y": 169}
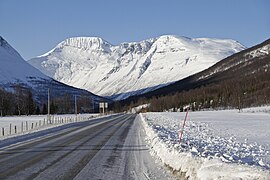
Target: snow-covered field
{"x": 28, "y": 124}
{"x": 216, "y": 144}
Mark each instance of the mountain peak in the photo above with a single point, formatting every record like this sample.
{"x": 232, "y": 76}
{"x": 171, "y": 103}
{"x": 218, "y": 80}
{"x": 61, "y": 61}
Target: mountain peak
{"x": 6, "y": 48}
{"x": 14, "y": 70}
{"x": 85, "y": 43}
{"x": 13, "y": 67}
{"x": 82, "y": 43}
{"x": 2, "y": 40}
{"x": 174, "y": 37}
{"x": 131, "y": 67}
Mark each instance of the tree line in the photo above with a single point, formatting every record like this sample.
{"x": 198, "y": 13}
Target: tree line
{"x": 20, "y": 101}
{"x": 247, "y": 91}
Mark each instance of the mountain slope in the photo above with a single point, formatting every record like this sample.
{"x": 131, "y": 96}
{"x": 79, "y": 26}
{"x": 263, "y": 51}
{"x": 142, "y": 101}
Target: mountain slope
{"x": 13, "y": 68}
{"x": 250, "y": 67}
{"x": 131, "y": 68}
{"x": 15, "y": 71}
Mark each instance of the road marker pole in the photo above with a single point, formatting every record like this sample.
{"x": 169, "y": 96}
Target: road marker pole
{"x": 9, "y": 129}
{"x": 22, "y": 127}
{"x": 181, "y": 132}
{"x": 48, "y": 115}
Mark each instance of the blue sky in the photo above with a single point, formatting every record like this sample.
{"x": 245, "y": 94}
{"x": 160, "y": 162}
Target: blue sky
{"x": 33, "y": 27}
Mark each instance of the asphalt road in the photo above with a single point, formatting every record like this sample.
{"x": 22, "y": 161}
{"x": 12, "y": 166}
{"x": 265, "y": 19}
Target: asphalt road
{"x": 107, "y": 148}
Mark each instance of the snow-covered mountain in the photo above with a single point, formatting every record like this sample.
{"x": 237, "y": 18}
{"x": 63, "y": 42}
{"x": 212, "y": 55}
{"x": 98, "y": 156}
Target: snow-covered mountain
{"x": 126, "y": 69}
{"x": 13, "y": 67}
{"x": 14, "y": 71}
{"x": 249, "y": 69}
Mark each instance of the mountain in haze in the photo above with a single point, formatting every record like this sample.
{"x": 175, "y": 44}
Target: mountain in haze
{"x": 15, "y": 71}
{"x": 244, "y": 75}
{"x": 120, "y": 71}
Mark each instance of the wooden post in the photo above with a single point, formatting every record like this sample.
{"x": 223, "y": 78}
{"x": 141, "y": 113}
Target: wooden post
{"x": 32, "y": 126}
{"x": 3, "y": 131}
{"x": 22, "y": 127}
{"x": 9, "y": 129}
{"x": 15, "y": 129}
{"x": 26, "y": 125}
{"x": 76, "y": 107}
{"x": 48, "y": 115}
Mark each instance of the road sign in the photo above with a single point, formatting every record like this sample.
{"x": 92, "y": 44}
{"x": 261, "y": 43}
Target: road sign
{"x": 101, "y": 105}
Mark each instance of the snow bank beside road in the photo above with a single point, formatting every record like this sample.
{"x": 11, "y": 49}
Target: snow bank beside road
{"x": 205, "y": 154}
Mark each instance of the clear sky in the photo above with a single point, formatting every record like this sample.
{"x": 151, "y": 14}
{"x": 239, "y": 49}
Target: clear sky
{"x": 33, "y": 27}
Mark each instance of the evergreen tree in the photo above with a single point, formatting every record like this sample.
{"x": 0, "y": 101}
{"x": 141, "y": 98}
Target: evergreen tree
{"x": 30, "y": 105}
{"x": 37, "y": 112}
{"x": 53, "y": 108}
{"x": 44, "y": 109}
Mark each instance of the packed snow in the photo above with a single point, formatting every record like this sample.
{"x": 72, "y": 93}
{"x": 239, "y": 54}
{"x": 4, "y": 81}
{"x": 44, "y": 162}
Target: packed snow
{"x": 139, "y": 108}
{"x": 215, "y": 145}
{"x": 145, "y": 65}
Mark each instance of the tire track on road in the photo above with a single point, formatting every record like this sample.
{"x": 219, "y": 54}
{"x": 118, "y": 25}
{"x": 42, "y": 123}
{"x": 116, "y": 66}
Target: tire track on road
{"x": 9, "y": 169}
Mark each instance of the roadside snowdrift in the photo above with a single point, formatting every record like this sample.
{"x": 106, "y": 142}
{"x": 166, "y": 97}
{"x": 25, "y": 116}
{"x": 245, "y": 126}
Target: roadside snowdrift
{"x": 199, "y": 159}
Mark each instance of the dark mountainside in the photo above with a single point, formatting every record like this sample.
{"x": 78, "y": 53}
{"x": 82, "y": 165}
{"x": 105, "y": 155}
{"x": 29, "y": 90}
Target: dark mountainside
{"x": 240, "y": 80}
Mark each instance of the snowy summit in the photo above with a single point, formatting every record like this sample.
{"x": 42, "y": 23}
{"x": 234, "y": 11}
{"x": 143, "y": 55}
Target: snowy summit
{"x": 127, "y": 69}
{"x": 13, "y": 67}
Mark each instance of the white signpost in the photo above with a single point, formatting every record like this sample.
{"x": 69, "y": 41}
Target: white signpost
{"x": 103, "y": 106}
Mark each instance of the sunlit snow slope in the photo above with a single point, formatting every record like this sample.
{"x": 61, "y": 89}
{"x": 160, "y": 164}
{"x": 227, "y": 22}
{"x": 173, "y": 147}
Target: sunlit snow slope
{"x": 132, "y": 68}
{"x": 15, "y": 71}
{"x": 13, "y": 67}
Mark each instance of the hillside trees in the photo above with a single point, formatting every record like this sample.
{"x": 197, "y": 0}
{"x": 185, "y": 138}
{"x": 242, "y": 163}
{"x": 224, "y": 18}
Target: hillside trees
{"x": 5, "y": 103}
{"x": 19, "y": 102}
{"x": 246, "y": 91}
{"x": 30, "y": 104}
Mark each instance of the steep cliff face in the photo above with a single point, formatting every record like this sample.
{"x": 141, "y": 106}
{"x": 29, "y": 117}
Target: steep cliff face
{"x": 119, "y": 71}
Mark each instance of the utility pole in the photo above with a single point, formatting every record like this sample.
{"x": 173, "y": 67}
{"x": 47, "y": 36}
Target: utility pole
{"x": 2, "y": 102}
{"x": 48, "y": 117}
{"x": 93, "y": 105}
{"x": 106, "y": 107}
{"x": 239, "y": 103}
{"x": 76, "y": 106}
